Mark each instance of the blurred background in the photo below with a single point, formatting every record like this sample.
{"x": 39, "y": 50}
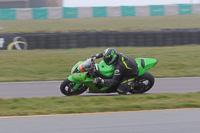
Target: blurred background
{"x": 30, "y": 3}
{"x": 165, "y": 30}
{"x": 85, "y": 3}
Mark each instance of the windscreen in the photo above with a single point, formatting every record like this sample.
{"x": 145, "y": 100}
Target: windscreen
{"x": 85, "y": 66}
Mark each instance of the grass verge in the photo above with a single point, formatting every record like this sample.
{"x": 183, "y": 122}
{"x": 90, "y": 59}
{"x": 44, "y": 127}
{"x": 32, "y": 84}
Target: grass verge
{"x": 101, "y": 24}
{"x": 43, "y": 65}
{"x": 79, "y": 104}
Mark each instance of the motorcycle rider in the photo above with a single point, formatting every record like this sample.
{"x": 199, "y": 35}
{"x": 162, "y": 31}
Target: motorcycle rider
{"x": 125, "y": 70}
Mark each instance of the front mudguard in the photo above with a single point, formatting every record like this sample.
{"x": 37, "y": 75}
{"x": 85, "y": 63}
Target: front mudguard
{"x": 79, "y": 79}
{"x": 77, "y": 84}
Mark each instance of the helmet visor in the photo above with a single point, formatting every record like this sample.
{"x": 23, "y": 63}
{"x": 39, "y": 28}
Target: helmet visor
{"x": 107, "y": 60}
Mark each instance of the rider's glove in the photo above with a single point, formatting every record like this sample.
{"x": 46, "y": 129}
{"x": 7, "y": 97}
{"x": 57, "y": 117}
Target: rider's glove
{"x": 93, "y": 57}
{"x": 98, "y": 80}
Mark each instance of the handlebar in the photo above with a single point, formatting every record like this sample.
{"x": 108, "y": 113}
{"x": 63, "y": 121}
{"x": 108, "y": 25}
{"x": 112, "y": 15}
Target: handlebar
{"x": 93, "y": 58}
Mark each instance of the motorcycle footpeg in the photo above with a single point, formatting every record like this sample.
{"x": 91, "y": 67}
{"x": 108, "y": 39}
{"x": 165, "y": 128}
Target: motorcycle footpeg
{"x": 131, "y": 85}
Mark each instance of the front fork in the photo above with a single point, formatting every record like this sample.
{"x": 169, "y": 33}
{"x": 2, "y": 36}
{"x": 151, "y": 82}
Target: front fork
{"x": 77, "y": 84}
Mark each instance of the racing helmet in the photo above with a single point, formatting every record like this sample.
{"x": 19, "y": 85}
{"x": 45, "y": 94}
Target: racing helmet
{"x": 109, "y": 56}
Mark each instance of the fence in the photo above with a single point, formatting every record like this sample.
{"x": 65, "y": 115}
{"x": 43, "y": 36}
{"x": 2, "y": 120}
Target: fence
{"x": 168, "y": 37}
{"x": 88, "y": 12}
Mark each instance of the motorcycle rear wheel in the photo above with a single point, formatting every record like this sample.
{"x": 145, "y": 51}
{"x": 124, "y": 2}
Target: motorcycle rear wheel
{"x": 66, "y": 88}
{"x": 143, "y": 83}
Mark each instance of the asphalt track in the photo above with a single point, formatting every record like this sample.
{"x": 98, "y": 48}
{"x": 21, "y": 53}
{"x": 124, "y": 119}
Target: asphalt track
{"x": 160, "y": 121}
{"x": 51, "y": 88}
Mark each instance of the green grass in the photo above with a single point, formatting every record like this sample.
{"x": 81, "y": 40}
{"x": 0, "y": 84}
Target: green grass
{"x": 78, "y": 104}
{"x": 44, "y": 65}
{"x": 102, "y": 24}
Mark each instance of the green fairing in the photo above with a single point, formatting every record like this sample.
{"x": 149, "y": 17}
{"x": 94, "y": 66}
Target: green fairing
{"x": 81, "y": 78}
{"x": 78, "y": 83}
{"x": 148, "y": 64}
{"x": 71, "y": 79}
{"x": 106, "y": 70}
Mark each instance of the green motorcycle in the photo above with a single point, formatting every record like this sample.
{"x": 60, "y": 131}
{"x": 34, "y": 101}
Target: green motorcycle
{"x": 84, "y": 72}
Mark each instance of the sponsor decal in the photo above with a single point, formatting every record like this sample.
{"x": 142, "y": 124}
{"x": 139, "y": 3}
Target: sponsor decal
{"x": 147, "y": 69}
{"x": 18, "y": 42}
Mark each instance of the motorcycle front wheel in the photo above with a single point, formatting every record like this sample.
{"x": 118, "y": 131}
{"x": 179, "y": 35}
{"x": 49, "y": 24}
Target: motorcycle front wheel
{"x": 143, "y": 83}
{"x": 66, "y": 88}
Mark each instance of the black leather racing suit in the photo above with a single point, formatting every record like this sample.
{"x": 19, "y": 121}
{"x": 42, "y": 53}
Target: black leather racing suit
{"x": 125, "y": 70}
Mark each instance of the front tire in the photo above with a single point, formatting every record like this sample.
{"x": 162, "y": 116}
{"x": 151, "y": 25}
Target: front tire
{"x": 66, "y": 88}
{"x": 143, "y": 83}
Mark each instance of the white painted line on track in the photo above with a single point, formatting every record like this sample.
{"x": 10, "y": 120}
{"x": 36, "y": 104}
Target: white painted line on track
{"x": 179, "y": 78}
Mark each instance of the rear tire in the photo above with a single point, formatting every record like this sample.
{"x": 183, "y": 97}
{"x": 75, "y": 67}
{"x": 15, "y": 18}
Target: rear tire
{"x": 66, "y": 88}
{"x": 143, "y": 83}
